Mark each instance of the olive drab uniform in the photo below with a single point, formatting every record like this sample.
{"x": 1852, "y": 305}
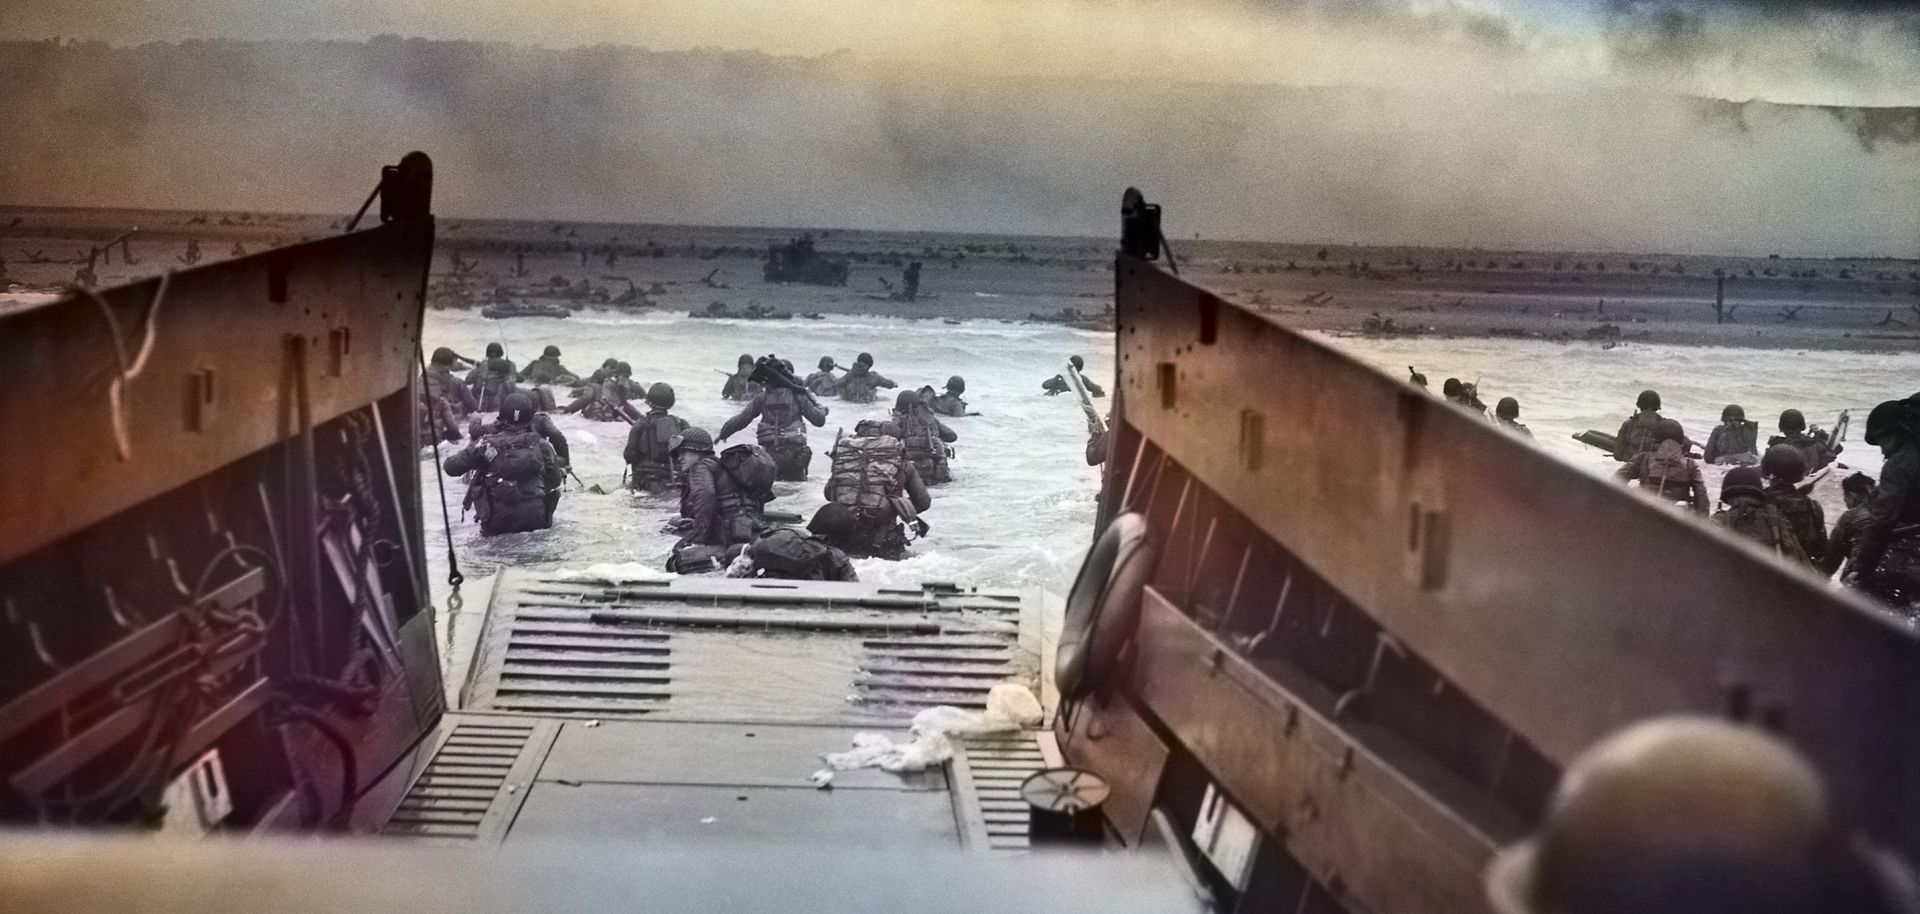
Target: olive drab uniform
{"x": 1804, "y": 517}
{"x": 722, "y": 512}
{"x": 547, "y": 370}
{"x": 1842, "y": 539}
{"x": 783, "y": 414}
{"x": 1889, "y": 552}
{"x": 1734, "y": 443}
{"x": 1667, "y": 473}
{"x": 925, "y": 439}
{"x": 860, "y": 382}
{"x": 796, "y": 555}
{"x": 1637, "y": 435}
{"x": 517, "y": 479}
{"x": 823, "y": 384}
{"x": 646, "y": 453}
{"x": 492, "y": 381}
{"x": 1816, "y": 451}
{"x": 1752, "y": 517}
{"x": 542, "y": 425}
{"x": 606, "y": 401}
{"x": 949, "y": 405}
{"x": 868, "y": 475}
{"x": 737, "y": 387}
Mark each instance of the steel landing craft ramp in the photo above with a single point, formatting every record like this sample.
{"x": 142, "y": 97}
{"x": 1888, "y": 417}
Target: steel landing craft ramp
{"x": 697, "y": 708}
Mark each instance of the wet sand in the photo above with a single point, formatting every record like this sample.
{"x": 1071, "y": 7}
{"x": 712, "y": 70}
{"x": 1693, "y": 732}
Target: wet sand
{"x": 1608, "y": 299}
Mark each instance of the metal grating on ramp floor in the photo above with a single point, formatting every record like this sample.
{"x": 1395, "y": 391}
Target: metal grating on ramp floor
{"x": 987, "y": 774}
{"x": 919, "y": 671}
{"x": 475, "y": 780}
{"x": 703, "y": 648}
{"x": 559, "y": 660}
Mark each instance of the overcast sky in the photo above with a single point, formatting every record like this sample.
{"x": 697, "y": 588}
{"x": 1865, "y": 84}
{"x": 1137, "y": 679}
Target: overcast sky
{"x": 1822, "y": 51}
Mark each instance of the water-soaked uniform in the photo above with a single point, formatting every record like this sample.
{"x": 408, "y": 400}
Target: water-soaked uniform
{"x": 949, "y": 405}
{"x": 869, "y": 473}
{"x": 783, "y": 413}
{"x": 1843, "y": 539}
{"x": 436, "y": 419}
{"x": 823, "y": 384}
{"x": 547, "y": 370}
{"x": 860, "y": 382}
{"x": 1667, "y": 473}
{"x": 1513, "y": 425}
{"x": 925, "y": 439}
{"x": 647, "y": 453}
{"x": 492, "y": 381}
{"x": 1637, "y": 435}
{"x": 792, "y": 554}
{"x": 737, "y": 387}
{"x": 542, "y": 424}
{"x": 517, "y": 480}
{"x": 1816, "y": 451}
{"x": 604, "y": 402}
{"x": 1734, "y": 443}
{"x": 1804, "y": 517}
{"x": 1749, "y": 515}
{"x": 722, "y": 512}
{"x": 443, "y": 386}
{"x": 1889, "y": 553}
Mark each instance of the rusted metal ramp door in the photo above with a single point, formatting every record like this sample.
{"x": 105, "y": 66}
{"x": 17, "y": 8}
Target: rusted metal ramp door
{"x": 698, "y": 708}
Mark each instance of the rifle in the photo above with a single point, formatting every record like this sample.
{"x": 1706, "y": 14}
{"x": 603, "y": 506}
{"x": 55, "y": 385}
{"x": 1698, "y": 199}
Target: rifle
{"x": 1095, "y": 425}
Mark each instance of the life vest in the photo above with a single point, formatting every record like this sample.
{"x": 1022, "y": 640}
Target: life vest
{"x": 1103, "y": 609}
{"x": 823, "y": 383}
{"x": 1761, "y": 522}
{"x": 495, "y": 383}
{"x": 780, "y": 418}
{"x": 867, "y": 472}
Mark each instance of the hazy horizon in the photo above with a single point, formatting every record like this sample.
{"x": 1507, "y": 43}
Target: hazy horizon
{"x": 1567, "y": 125}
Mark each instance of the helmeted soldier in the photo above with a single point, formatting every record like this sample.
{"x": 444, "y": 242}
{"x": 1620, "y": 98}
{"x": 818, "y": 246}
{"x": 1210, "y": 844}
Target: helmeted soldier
{"x": 1783, "y": 468}
{"x": 873, "y": 493}
{"x": 1694, "y": 815}
{"x": 492, "y": 379}
{"x": 1639, "y": 433}
{"x": 610, "y": 399}
{"x": 517, "y": 475}
{"x": 1817, "y": 451}
{"x": 719, "y": 509}
{"x": 1507, "y": 415}
{"x": 1747, "y": 513}
{"x": 443, "y": 386}
{"x": 1735, "y": 440}
{"x": 1058, "y": 383}
{"x": 739, "y": 385}
{"x": 860, "y": 381}
{"x": 1887, "y": 562}
{"x": 783, "y": 410}
{"x": 1845, "y": 535}
{"x": 541, "y": 423}
{"x": 1666, "y": 472}
{"x": 648, "y": 443}
{"x": 924, "y": 436}
{"x": 547, "y": 369}
{"x": 822, "y": 383}
{"x": 949, "y": 403}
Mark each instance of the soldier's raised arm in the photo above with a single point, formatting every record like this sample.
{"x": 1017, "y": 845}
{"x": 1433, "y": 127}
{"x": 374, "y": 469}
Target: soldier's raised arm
{"x": 810, "y": 408}
{"x": 740, "y": 420}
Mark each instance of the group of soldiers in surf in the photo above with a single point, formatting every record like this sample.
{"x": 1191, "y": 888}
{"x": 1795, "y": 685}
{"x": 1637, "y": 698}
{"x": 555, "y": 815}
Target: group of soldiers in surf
{"x": 877, "y": 484}
{"x": 1873, "y": 546}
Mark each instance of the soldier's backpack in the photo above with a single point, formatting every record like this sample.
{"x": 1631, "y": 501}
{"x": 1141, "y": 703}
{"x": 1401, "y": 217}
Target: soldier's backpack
{"x": 866, "y": 472}
{"x": 785, "y": 552}
{"x": 752, "y": 469}
{"x": 1762, "y": 523}
{"x": 518, "y": 456}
